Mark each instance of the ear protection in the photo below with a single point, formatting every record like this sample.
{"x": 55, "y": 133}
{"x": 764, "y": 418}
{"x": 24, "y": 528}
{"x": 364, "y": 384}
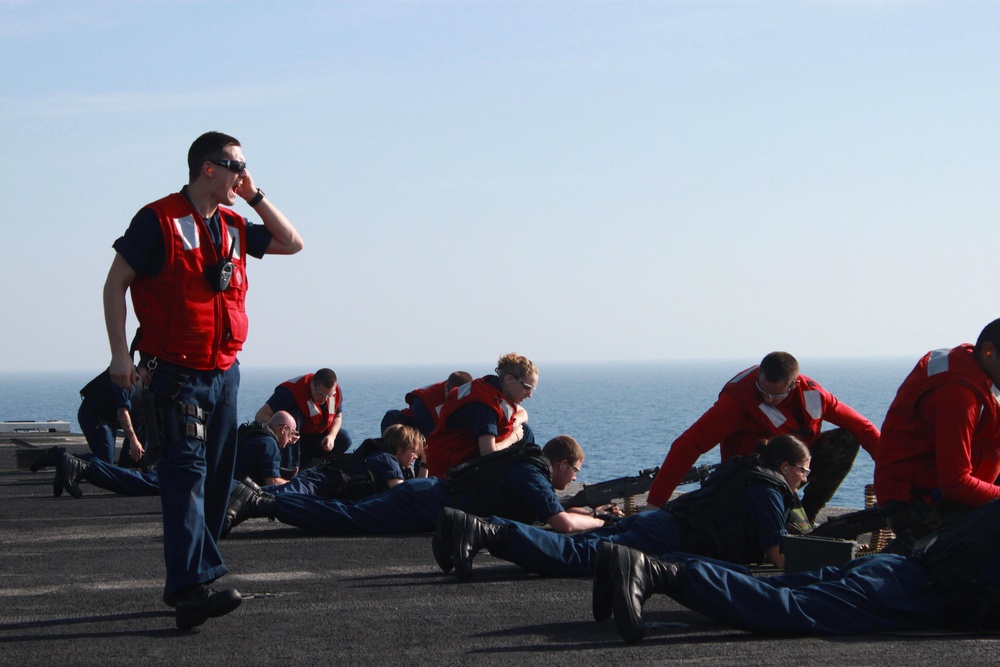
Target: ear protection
{"x": 785, "y": 469}
{"x": 210, "y": 170}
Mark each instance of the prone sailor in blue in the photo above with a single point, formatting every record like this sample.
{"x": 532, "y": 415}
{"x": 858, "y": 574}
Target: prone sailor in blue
{"x": 950, "y": 580}
{"x": 259, "y": 446}
{"x": 739, "y": 515}
{"x": 520, "y": 486}
{"x": 376, "y": 466}
{"x": 71, "y": 470}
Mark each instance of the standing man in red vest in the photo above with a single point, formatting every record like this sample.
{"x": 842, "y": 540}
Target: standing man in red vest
{"x": 183, "y": 259}
{"x": 939, "y": 455}
{"x": 316, "y": 401}
{"x": 762, "y": 402}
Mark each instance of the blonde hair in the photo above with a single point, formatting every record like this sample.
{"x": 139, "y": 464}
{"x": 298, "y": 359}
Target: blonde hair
{"x": 516, "y": 365}
{"x": 401, "y": 438}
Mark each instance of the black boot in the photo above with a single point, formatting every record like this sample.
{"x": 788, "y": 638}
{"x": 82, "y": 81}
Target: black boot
{"x": 471, "y": 534}
{"x": 69, "y": 471}
{"x": 252, "y": 484}
{"x": 200, "y": 603}
{"x": 245, "y": 503}
{"x": 635, "y": 579}
{"x": 604, "y": 589}
{"x": 49, "y": 458}
{"x": 443, "y": 543}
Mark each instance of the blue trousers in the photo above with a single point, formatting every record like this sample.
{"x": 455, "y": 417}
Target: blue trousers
{"x": 311, "y": 481}
{"x": 126, "y": 481}
{"x": 555, "y": 555}
{"x": 196, "y": 475}
{"x": 876, "y": 593}
{"x": 301, "y": 454}
{"x": 99, "y": 434}
{"x": 410, "y": 507}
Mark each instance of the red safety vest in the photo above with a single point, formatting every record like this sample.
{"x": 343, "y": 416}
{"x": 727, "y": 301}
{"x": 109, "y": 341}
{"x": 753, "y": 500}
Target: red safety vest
{"x": 447, "y": 447}
{"x": 432, "y": 395}
{"x": 905, "y": 461}
{"x": 182, "y": 319}
{"x": 800, "y": 414}
{"x": 315, "y": 418}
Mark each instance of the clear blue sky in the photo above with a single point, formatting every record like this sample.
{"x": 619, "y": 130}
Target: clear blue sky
{"x": 570, "y": 180}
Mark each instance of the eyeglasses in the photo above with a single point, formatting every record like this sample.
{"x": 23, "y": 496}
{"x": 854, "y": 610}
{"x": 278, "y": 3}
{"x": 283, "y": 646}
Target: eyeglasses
{"x": 235, "y": 166}
{"x": 805, "y": 471}
{"x": 322, "y": 394}
{"x": 575, "y": 469}
{"x": 291, "y": 431}
{"x": 773, "y": 397}
{"x": 524, "y": 384}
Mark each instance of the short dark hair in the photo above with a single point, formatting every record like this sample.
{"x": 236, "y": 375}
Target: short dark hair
{"x": 457, "y": 379}
{"x": 563, "y": 448}
{"x": 779, "y": 367}
{"x": 324, "y": 377}
{"x": 207, "y": 147}
{"x": 989, "y": 334}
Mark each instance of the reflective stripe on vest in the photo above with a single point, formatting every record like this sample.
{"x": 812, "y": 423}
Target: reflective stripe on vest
{"x": 187, "y": 229}
{"x": 773, "y": 414}
{"x": 814, "y": 406}
{"x": 814, "y": 403}
{"x": 743, "y": 374}
{"x": 938, "y": 362}
{"x": 234, "y": 240}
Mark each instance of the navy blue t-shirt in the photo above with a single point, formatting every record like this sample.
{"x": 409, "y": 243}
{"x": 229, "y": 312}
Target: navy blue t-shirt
{"x": 257, "y": 457}
{"x": 421, "y": 418}
{"x": 102, "y": 396}
{"x": 384, "y": 465}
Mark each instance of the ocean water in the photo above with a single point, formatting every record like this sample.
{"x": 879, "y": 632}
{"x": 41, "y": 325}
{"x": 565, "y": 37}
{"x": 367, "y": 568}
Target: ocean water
{"x": 625, "y": 415}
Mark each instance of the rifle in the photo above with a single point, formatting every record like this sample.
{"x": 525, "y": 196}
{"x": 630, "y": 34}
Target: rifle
{"x": 698, "y": 473}
{"x": 849, "y": 526}
{"x": 602, "y": 493}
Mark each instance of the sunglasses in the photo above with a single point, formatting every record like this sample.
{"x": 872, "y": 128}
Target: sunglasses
{"x": 773, "y": 397}
{"x": 524, "y": 384}
{"x": 235, "y": 166}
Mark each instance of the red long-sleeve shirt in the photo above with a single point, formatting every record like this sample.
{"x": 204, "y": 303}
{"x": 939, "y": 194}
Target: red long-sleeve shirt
{"x": 728, "y": 420}
{"x": 941, "y": 434}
